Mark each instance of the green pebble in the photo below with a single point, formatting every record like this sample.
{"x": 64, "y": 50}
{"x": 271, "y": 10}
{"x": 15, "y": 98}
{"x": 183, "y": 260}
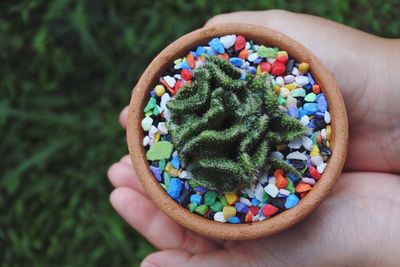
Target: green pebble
{"x": 300, "y": 92}
{"x": 150, "y": 105}
{"x": 281, "y": 101}
{"x": 161, "y": 164}
{"x": 223, "y": 201}
{"x": 267, "y": 52}
{"x": 164, "y": 186}
{"x": 314, "y": 138}
{"x": 202, "y": 209}
{"x": 217, "y": 206}
{"x": 148, "y": 113}
{"x": 251, "y": 45}
{"x": 157, "y": 111}
{"x": 311, "y": 97}
{"x": 167, "y": 178}
{"x": 192, "y": 207}
{"x": 265, "y": 197}
{"x": 210, "y": 197}
{"x": 192, "y": 183}
{"x": 290, "y": 186}
{"x": 160, "y": 150}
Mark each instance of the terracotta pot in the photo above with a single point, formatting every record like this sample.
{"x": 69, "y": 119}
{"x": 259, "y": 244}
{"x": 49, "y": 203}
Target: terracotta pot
{"x": 282, "y": 221}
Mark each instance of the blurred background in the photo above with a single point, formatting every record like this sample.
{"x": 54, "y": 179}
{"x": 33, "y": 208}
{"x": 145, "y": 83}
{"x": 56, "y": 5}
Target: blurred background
{"x": 66, "y": 69}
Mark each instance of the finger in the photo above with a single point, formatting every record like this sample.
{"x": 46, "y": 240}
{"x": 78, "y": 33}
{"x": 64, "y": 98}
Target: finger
{"x": 122, "y": 175}
{"x": 126, "y": 160}
{"x": 123, "y": 117}
{"x": 143, "y": 215}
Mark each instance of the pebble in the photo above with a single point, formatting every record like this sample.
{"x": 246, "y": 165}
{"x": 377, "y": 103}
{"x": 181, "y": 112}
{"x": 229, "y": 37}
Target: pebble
{"x": 284, "y": 192}
{"x": 321, "y": 168}
{"x": 231, "y": 198}
{"x": 310, "y": 109}
{"x": 156, "y": 172}
{"x": 196, "y": 198}
{"x": 284, "y": 92}
{"x": 229, "y": 211}
{"x": 289, "y": 79}
{"x": 327, "y": 117}
{"x": 146, "y": 123}
{"x": 219, "y": 217}
{"x": 160, "y": 150}
{"x": 268, "y": 210}
{"x": 279, "y": 81}
{"x": 322, "y": 104}
{"x": 174, "y": 188}
{"x": 245, "y": 201}
{"x": 252, "y": 57}
{"x": 304, "y": 67}
{"x": 234, "y": 220}
{"x": 301, "y": 80}
{"x": 277, "y": 155}
{"x": 170, "y": 81}
{"x": 291, "y": 201}
{"x": 210, "y": 197}
{"x": 303, "y": 187}
{"x": 228, "y": 41}
{"x": 217, "y": 206}
{"x": 307, "y": 143}
{"x": 237, "y": 62}
{"x": 305, "y": 120}
{"x": 217, "y": 46}
{"x": 162, "y": 128}
{"x": 296, "y": 144}
{"x": 278, "y": 68}
{"x": 317, "y": 160}
{"x": 298, "y": 92}
{"x": 311, "y": 97}
{"x": 308, "y": 180}
{"x": 258, "y": 193}
{"x": 185, "y": 175}
{"x": 201, "y": 210}
{"x": 291, "y": 101}
{"x": 269, "y": 52}
{"x": 175, "y": 162}
{"x": 296, "y": 155}
{"x": 164, "y": 99}
{"x": 271, "y": 190}
{"x": 240, "y": 207}
{"x": 240, "y": 43}
{"x": 146, "y": 140}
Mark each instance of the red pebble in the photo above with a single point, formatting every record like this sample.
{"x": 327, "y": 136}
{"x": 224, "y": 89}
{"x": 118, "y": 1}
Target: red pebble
{"x": 269, "y": 210}
{"x": 190, "y": 60}
{"x": 316, "y": 89}
{"x": 249, "y": 217}
{"x": 283, "y": 59}
{"x": 281, "y": 182}
{"x": 186, "y": 74}
{"x": 278, "y": 172}
{"x": 303, "y": 187}
{"x": 254, "y": 210}
{"x": 265, "y": 67}
{"x": 278, "y": 68}
{"x": 314, "y": 173}
{"x": 319, "y": 137}
{"x": 303, "y": 194}
{"x": 244, "y": 54}
{"x": 240, "y": 43}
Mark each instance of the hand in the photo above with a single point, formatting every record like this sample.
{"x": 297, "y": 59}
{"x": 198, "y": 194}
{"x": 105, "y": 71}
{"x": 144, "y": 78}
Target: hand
{"x": 357, "y": 224}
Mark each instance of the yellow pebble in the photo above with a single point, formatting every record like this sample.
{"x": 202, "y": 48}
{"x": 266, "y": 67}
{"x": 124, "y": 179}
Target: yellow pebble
{"x": 168, "y": 167}
{"x": 156, "y": 137}
{"x": 291, "y": 86}
{"x": 315, "y": 151}
{"x": 328, "y": 132}
{"x": 175, "y": 172}
{"x": 304, "y": 67}
{"x": 229, "y": 211}
{"x": 231, "y": 198}
{"x": 282, "y": 53}
{"x": 159, "y": 89}
{"x": 277, "y": 89}
{"x": 328, "y": 144}
{"x": 259, "y": 70}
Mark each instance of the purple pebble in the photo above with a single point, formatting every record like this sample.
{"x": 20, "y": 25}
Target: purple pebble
{"x": 156, "y": 172}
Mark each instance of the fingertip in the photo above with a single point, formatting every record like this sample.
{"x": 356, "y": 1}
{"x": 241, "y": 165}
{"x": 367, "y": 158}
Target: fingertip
{"x": 112, "y": 171}
{"x": 126, "y": 160}
{"x": 167, "y": 258}
{"x": 123, "y": 117}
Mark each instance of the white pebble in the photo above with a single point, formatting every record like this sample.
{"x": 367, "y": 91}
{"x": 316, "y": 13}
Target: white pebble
{"x": 252, "y": 57}
{"x": 296, "y": 155}
{"x": 317, "y": 160}
{"x": 219, "y": 217}
{"x": 289, "y": 79}
{"x": 199, "y": 63}
{"x": 271, "y": 60}
{"x": 186, "y": 175}
{"x": 245, "y": 201}
{"x": 284, "y": 192}
{"x": 296, "y": 143}
{"x": 284, "y": 92}
{"x": 291, "y": 101}
{"x": 228, "y": 41}
{"x": 307, "y": 143}
{"x": 256, "y": 218}
{"x": 178, "y": 66}
{"x": 321, "y": 168}
{"x": 153, "y": 130}
{"x": 308, "y": 180}
{"x": 164, "y": 99}
{"x": 302, "y": 80}
{"x": 178, "y": 77}
{"x": 263, "y": 179}
{"x": 271, "y": 190}
{"x": 170, "y": 81}
{"x": 282, "y": 109}
{"x": 146, "y": 140}
{"x": 250, "y": 192}
{"x": 277, "y": 155}
{"x": 146, "y": 123}
{"x": 272, "y": 180}
{"x": 279, "y": 81}
{"x": 162, "y": 128}
{"x": 295, "y": 71}
{"x": 258, "y": 193}
{"x": 305, "y": 120}
{"x": 256, "y": 47}
{"x": 327, "y": 117}
{"x": 167, "y": 114}
{"x": 323, "y": 134}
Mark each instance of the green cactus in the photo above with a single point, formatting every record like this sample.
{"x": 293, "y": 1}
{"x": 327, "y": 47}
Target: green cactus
{"x": 224, "y": 128}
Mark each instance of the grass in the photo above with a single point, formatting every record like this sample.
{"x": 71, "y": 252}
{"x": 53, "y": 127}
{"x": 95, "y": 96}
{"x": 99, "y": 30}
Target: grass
{"x": 66, "y": 70}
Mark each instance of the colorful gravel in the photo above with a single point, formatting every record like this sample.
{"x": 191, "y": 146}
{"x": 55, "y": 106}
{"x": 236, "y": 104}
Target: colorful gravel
{"x": 276, "y": 191}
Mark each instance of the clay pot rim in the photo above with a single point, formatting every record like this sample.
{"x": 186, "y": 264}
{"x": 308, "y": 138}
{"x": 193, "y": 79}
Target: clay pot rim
{"x": 210, "y": 228}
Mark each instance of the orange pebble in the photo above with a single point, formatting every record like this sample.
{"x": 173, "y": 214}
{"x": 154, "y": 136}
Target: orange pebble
{"x": 281, "y": 182}
{"x": 223, "y": 56}
{"x": 303, "y": 194}
{"x": 249, "y": 217}
{"x": 316, "y": 89}
{"x": 303, "y": 187}
{"x": 278, "y": 172}
{"x": 244, "y": 54}
{"x": 190, "y": 60}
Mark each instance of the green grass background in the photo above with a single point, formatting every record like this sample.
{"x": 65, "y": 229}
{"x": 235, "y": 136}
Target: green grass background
{"x": 66, "y": 70}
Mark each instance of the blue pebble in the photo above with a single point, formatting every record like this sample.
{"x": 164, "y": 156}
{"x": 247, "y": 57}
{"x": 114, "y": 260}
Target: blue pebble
{"x": 292, "y": 177}
{"x": 310, "y": 109}
{"x": 311, "y": 124}
{"x": 156, "y": 172}
{"x": 174, "y": 188}
{"x": 201, "y": 189}
{"x": 252, "y": 70}
{"x": 311, "y": 79}
{"x": 234, "y": 220}
{"x": 200, "y": 50}
{"x": 184, "y": 65}
{"x": 254, "y": 202}
{"x": 291, "y": 201}
{"x": 153, "y": 93}
{"x": 293, "y": 111}
{"x": 195, "y": 198}
{"x": 187, "y": 187}
{"x": 243, "y": 76}
{"x": 240, "y": 207}
{"x": 175, "y": 162}
{"x": 320, "y": 115}
{"x": 257, "y": 60}
{"x": 308, "y": 86}
{"x": 217, "y": 46}
{"x": 211, "y": 52}
{"x": 237, "y": 62}
{"x": 322, "y": 104}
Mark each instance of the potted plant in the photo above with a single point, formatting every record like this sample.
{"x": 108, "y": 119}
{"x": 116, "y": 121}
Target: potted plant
{"x": 230, "y": 134}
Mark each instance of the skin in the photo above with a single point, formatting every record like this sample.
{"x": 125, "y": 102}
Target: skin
{"x": 357, "y": 224}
